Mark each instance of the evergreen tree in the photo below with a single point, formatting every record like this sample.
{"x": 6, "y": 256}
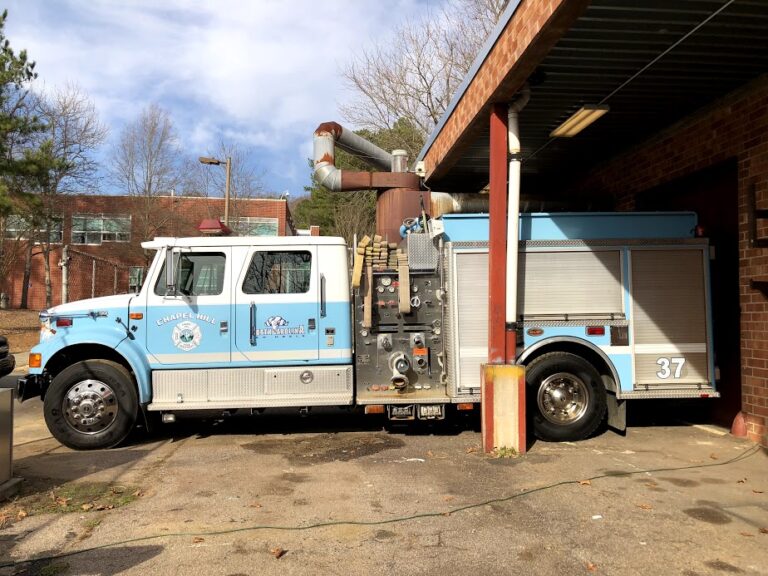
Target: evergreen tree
{"x": 17, "y": 124}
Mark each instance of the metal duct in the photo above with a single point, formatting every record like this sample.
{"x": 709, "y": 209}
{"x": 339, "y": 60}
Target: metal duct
{"x": 331, "y": 134}
{"x": 444, "y": 203}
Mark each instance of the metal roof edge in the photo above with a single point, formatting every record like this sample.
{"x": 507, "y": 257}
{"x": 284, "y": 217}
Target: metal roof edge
{"x": 490, "y": 42}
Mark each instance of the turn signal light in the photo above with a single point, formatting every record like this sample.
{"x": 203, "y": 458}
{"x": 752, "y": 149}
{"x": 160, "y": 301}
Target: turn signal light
{"x": 63, "y": 322}
{"x": 465, "y": 406}
{"x": 374, "y": 409}
{"x": 595, "y": 330}
{"x": 135, "y": 315}
{"x": 35, "y": 360}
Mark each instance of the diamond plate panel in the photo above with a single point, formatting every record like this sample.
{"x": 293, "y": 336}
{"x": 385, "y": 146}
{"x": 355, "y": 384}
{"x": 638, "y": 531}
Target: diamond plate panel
{"x": 422, "y": 252}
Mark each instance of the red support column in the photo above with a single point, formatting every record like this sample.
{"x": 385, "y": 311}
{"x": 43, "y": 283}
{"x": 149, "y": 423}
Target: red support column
{"x": 497, "y": 245}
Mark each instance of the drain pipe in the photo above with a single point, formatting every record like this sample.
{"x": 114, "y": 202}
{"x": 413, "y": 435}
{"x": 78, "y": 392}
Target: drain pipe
{"x": 513, "y": 205}
{"x": 330, "y": 135}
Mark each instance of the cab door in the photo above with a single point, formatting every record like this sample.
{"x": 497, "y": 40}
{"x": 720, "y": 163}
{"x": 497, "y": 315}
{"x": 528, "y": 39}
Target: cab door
{"x": 277, "y": 305}
{"x": 191, "y": 326}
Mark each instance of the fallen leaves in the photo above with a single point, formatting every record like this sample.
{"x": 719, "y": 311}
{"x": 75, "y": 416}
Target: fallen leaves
{"x": 585, "y": 483}
{"x": 21, "y": 514}
{"x": 198, "y": 540}
{"x": 763, "y": 530}
{"x": 591, "y": 567}
{"x": 747, "y": 534}
{"x": 644, "y": 506}
{"x": 277, "y": 552}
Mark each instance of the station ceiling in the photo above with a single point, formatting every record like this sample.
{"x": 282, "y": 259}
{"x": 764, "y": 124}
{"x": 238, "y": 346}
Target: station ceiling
{"x": 653, "y": 62}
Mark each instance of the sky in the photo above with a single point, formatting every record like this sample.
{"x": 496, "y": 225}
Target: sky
{"x": 260, "y": 73}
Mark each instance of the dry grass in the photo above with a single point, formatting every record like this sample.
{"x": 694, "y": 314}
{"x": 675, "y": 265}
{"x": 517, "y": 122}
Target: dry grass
{"x": 21, "y": 327}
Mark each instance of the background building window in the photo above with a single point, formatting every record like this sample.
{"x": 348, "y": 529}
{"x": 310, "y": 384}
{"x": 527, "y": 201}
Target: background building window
{"x": 17, "y": 228}
{"x": 254, "y": 226}
{"x": 98, "y": 228}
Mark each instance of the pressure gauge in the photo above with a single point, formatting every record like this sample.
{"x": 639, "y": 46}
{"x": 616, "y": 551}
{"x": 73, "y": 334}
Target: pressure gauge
{"x": 386, "y": 280}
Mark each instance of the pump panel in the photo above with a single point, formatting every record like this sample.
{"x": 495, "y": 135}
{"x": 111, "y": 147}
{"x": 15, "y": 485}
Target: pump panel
{"x": 398, "y": 355}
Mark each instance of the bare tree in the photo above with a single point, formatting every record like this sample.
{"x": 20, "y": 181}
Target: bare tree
{"x": 356, "y": 215}
{"x": 73, "y": 133}
{"x": 413, "y": 74}
{"x": 145, "y": 164}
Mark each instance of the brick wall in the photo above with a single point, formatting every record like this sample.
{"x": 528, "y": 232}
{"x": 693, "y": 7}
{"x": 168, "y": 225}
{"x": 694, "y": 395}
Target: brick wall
{"x": 173, "y": 216}
{"x": 735, "y": 127}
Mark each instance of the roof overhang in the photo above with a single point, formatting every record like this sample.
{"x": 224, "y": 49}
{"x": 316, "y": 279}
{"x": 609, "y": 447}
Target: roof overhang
{"x": 652, "y": 63}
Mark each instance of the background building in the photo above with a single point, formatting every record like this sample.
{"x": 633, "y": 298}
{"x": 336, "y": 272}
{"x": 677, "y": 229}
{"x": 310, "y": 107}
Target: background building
{"x": 103, "y": 236}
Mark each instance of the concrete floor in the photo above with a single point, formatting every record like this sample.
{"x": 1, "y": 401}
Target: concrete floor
{"x": 339, "y": 495}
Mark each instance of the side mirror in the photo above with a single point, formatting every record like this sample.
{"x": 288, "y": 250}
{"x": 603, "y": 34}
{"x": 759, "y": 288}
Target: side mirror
{"x": 171, "y": 270}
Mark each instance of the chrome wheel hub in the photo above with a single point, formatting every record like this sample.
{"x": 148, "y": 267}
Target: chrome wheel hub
{"x": 562, "y": 398}
{"x": 90, "y": 406}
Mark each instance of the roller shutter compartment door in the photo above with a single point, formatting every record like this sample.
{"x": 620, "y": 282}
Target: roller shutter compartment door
{"x": 669, "y": 319}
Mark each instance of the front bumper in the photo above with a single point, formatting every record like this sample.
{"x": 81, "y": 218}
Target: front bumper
{"x": 31, "y": 386}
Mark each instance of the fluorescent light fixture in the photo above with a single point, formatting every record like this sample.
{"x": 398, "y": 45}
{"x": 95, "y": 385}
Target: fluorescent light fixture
{"x": 580, "y": 120}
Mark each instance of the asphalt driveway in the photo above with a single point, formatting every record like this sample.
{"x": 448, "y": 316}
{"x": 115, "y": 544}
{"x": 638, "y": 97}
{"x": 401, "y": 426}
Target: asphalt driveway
{"x": 334, "y": 494}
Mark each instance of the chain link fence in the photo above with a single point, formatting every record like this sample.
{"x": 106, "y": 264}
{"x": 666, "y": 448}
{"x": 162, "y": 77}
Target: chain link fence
{"x": 84, "y": 275}
{"x": 74, "y": 275}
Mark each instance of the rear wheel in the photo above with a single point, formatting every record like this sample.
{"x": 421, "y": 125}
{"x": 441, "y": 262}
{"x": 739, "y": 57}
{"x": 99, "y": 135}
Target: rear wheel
{"x": 91, "y": 404}
{"x": 566, "y": 397}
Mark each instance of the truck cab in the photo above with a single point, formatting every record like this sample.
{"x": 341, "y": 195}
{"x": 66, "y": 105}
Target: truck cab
{"x": 220, "y": 323}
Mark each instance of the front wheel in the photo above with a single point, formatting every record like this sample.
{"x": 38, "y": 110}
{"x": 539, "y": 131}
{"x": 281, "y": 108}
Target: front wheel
{"x": 91, "y": 404}
{"x": 566, "y": 397}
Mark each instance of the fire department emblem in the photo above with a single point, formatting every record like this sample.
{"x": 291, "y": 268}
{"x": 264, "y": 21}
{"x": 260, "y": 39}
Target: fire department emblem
{"x": 186, "y": 335}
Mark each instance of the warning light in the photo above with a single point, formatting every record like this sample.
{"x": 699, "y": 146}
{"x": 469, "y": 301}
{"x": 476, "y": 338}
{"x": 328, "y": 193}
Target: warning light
{"x": 595, "y": 330}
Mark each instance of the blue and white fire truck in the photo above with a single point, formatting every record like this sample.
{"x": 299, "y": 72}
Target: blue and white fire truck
{"x": 611, "y": 307}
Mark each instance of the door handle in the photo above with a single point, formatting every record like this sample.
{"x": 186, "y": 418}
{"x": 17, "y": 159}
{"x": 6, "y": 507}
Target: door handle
{"x": 224, "y": 327}
{"x": 322, "y": 295}
{"x": 253, "y": 323}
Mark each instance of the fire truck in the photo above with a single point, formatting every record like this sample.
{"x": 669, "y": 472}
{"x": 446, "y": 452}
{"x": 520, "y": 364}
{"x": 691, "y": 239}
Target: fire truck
{"x": 611, "y": 307}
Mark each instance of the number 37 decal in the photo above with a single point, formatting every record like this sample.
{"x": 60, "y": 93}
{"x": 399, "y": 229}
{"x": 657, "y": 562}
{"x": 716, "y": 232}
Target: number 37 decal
{"x": 670, "y": 367}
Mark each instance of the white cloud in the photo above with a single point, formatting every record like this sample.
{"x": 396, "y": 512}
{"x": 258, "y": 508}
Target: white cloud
{"x": 262, "y": 72}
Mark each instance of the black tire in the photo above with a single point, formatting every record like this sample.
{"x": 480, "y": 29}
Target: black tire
{"x": 91, "y": 405}
{"x": 566, "y": 397}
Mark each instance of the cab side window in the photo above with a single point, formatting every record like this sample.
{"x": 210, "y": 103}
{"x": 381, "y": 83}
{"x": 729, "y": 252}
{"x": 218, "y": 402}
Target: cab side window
{"x": 278, "y": 272}
{"x": 200, "y": 274}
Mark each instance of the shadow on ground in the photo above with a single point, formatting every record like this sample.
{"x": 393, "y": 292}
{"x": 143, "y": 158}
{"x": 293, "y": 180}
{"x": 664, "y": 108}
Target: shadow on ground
{"x": 96, "y": 562}
{"x": 289, "y": 422}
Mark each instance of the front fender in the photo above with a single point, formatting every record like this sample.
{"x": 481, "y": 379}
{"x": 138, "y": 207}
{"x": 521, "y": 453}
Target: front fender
{"x": 112, "y": 336}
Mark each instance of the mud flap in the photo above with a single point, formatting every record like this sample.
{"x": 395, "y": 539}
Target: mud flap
{"x": 617, "y": 412}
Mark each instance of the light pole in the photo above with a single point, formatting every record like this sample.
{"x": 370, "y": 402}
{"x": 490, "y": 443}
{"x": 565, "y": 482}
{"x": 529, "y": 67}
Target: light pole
{"x": 228, "y": 164}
